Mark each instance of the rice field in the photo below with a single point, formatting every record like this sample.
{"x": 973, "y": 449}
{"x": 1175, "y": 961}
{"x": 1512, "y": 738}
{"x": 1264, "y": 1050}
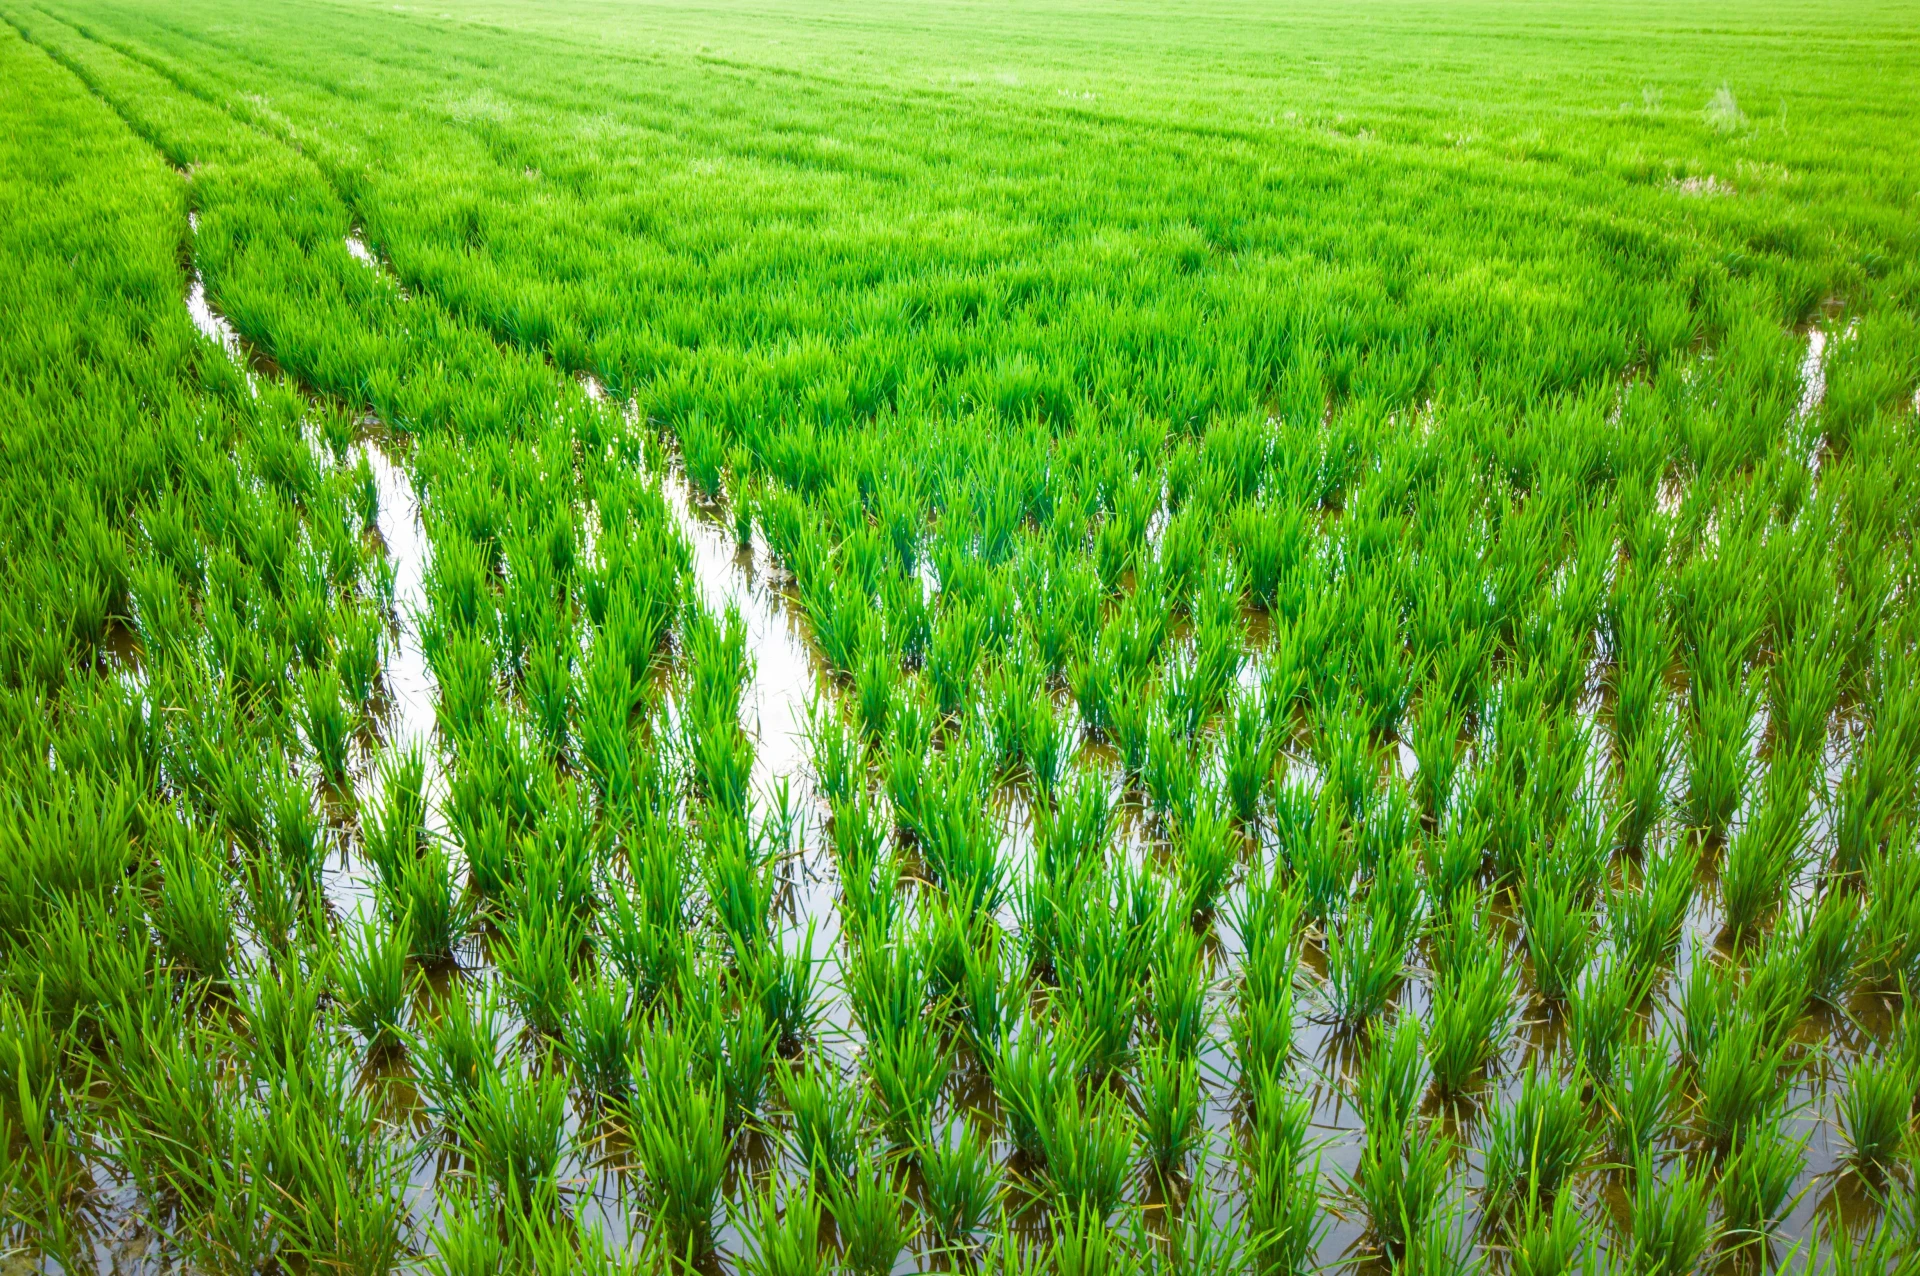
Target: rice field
{"x": 1057, "y": 636}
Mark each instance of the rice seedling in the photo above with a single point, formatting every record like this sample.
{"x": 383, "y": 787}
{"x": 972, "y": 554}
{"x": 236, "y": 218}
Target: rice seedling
{"x": 537, "y": 960}
{"x": 1082, "y": 1245}
{"x": 1756, "y": 1187}
{"x": 1406, "y": 1163}
{"x": 1248, "y": 755}
{"x": 1743, "y": 1077}
{"x": 513, "y": 1127}
{"x": 456, "y": 1047}
{"x": 1167, "y": 1095}
{"x": 1260, "y": 1023}
{"x": 599, "y": 1038}
{"x": 1766, "y": 854}
{"x": 1671, "y": 1220}
{"x": 1559, "y": 932}
{"x": 1534, "y": 1145}
{"x": 1453, "y": 859}
{"x": 783, "y": 1238}
{"x": 1888, "y": 934}
{"x": 325, "y": 721}
{"x": 1876, "y": 1113}
{"x": 281, "y": 1006}
{"x": 1443, "y": 1244}
{"x": 680, "y": 1135}
{"x": 193, "y": 916}
{"x": 1641, "y": 1095}
{"x": 1473, "y": 1001}
{"x": 871, "y": 1214}
{"x": 1281, "y": 1173}
{"x": 1366, "y": 961}
{"x": 465, "y": 1239}
{"x": 960, "y": 1180}
{"x": 424, "y": 898}
{"x": 374, "y": 981}
{"x": 991, "y": 991}
{"x": 1828, "y": 940}
{"x": 1644, "y": 780}
{"x": 1176, "y": 1000}
{"x": 298, "y": 836}
{"x": 1205, "y": 852}
{"x": 1549, "y": 1241}
{"x": 1099, "y": 997}
{"x": 736, "y": 1045}
{"x": 828, "y": 1111}
{"x": 1086, "y": 1136}
{"x": 908, "y": 1067}
{"x": 1400, "y": 1179}
{"x": 1032, "y": 1069}
{"x": 1718, "y": 743}
{"x": 1600, "y": 1014}
{"x": 1647, "y": 923}
{"x": 1198, "y": 1242}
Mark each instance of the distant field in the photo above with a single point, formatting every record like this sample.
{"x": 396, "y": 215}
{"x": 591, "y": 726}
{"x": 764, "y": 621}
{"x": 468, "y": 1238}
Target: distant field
{"x": 1035, "y": 637}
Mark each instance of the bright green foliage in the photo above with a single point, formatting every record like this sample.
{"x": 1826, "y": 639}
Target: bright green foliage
{"x": 525, "y": 526}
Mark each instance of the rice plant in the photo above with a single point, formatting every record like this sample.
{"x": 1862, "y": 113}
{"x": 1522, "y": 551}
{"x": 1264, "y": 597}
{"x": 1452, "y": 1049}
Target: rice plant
{"x": 1756, "y": 1187}
{"x": 1086, "y": 1135}
{"x": 1281, "y": 1171}
{"x": 871, "y": 1214}
{"x": 537, "y": 959}
{"x": 193, "y": 915}
{"x": 1876, "y": 1113}
{"x": 680, "y": 1135}
{"x": 1828, "y": 934}
{"x": 1647, "y": 922}
{"x": 427, "y": 901}
{"x": 960, "y": 1180}
{"x": 1473, "y": 1005}
{"x": 1034, "y": 1067}
{"x": 1168, "y": 1098}
{"x": 1559, "y": 933}
{"x": 827, "y": 1111}
{"x": 1641, "y": 1096}
{"x": 1549, "y": 1240}
{"x": 783, "y": 1238}
{"x": 599, "y": 1038}
{"x": 457, "y": 1046}
{"x": 908, "y": 1068}
{"x": 1743, "y": 1078}
{"x": 1176, "y": 1000}
{"x": 1672, "y": 1220}
{"x": 512, "y": 1125}
{"x": 1366, "y": 961}
{"x": 374, "y": 980}
{"x": 1406, "y": 1163}
{"x": 1764, "y": 855}
{"x": 1533, "y": 1146}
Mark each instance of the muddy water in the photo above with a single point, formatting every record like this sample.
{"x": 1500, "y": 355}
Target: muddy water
{"x": 1813, "y": 375}
{"x": 408, "y": 694}
{"x": 410, "y": 690}
{"x": 360, "y": 252}
{"x": 211, "y": 323}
